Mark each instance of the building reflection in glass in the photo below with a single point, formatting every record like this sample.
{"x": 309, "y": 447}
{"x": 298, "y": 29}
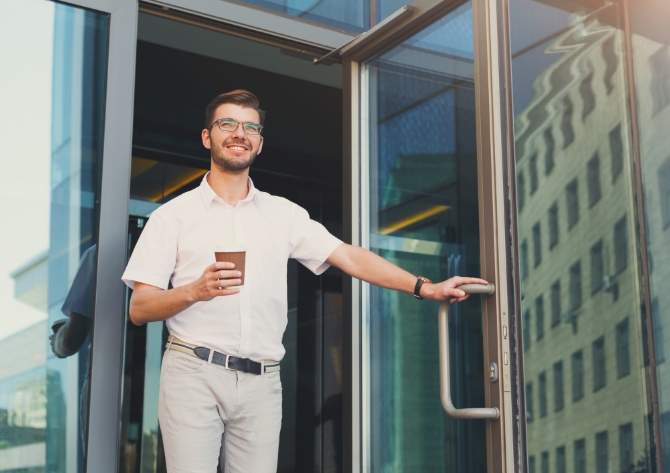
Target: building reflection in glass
{"x": 424, "y": 217}
{"x": 583, "y": 327}
{"x": 51, "y": 126}
{"x": 650, "y": 44}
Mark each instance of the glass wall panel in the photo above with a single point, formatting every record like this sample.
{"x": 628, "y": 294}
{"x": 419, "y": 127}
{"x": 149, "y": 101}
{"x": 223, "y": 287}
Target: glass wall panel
{"x": 423, "y": 217}
{"x": 651, "y": 64}
{"x": 570, "y": 114}
{"x": 385, "y": 7}
{"x": 347, "y": 15}
{"x": 51, "y": 125}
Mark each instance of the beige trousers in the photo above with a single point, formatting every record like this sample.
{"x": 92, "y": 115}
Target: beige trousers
{"x": 201, "y": 403}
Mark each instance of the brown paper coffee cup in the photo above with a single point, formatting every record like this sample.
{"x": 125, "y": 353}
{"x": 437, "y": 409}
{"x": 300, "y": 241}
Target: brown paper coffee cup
{"x": 236, "y": 257}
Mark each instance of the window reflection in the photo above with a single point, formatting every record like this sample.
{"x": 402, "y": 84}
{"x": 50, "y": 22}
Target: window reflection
{"x": 660, "y": 79}
{"x": 650, "y": 42}
{"x": 351, "y": 15}
{"x": 560, "y": 460}
{"x": 602, "y": 452}
{"x": 51, "y": 125}
{"x": 423, "y": 216}
{"x": 570, "y": 107}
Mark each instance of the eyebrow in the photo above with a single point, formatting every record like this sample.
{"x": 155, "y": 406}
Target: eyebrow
{"x": 241, "y": 121}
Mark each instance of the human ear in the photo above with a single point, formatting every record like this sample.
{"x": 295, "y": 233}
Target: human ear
{"x": 206, "y": 139}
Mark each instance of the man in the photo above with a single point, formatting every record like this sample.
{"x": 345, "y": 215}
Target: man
{"x": 220, "y": 373}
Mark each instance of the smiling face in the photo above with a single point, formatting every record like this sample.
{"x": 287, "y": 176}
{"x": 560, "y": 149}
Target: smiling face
{"x": 233, "y": 151}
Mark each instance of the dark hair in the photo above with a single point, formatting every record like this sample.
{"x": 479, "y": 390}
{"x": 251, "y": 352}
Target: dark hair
{"x": 240, "y": 97}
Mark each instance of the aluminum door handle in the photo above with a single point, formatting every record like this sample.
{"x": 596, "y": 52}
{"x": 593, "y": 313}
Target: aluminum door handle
{"x": 445, "y": 380}
{"x": 486, "y": 289}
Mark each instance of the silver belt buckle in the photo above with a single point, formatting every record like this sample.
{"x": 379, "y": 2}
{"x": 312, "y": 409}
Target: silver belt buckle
{"x": 226, "y": 365}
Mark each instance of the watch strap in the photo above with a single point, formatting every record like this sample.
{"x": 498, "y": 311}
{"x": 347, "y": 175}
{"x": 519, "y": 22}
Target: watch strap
{"x": 420, "y": 280}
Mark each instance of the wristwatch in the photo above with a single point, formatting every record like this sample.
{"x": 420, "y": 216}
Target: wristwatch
{"x": 420, "y": 280}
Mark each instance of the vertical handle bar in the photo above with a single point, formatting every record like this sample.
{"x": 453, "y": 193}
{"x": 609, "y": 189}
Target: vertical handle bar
{"x": 445, "y": 380}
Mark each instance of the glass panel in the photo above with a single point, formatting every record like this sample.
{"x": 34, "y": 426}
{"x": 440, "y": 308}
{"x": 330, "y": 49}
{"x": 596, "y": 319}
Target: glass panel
{"x": 386, "y": 7}
{"x": 560, "y": 460}
{"x": 651, "y": 65}
{"x": 51, "y": 128}
{"x": 570, "y": 97}
{"x": 348, "y": 15}
{"x": 423, "y": 217}
{"x": 464, "y": 24}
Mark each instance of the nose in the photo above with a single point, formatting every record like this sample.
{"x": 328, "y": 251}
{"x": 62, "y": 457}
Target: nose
{"x": 239, "y": 131}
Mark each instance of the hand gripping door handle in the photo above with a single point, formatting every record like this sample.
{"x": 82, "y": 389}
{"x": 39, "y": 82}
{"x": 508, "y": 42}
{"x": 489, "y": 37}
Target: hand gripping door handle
{"x": 445, "y": 381}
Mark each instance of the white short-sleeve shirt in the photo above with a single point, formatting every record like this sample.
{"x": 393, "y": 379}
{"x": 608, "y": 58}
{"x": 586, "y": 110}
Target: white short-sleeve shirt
{"x": 179, "y": 241}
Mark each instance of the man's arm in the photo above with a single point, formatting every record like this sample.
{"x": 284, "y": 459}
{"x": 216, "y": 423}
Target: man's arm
{"x": 150, "y": 303}
{"x": 367, "y": 266}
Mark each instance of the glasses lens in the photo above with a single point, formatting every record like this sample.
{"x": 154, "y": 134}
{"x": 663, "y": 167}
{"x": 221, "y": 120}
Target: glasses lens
{"x": 228, "y": 124}
{"x": 253, "y": 128}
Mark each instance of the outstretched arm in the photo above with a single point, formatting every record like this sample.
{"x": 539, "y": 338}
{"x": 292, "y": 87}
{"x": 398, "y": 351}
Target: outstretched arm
{"x": 367, "y": 266}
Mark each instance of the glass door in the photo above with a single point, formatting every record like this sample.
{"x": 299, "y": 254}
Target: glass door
{"x": 425, "y": 181}
{"x": 64, "y": 137}
{"x": 423, "y": 216}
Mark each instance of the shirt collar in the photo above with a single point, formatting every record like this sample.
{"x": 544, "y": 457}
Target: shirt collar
{"x": 208, "y": 194}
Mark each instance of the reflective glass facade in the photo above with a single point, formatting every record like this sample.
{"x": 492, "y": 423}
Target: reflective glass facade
{"x": 349, "y": 15}
{"x": 590, "y": 92}
{"x": 52, "y": 121}
{"x": 650, "y": 61}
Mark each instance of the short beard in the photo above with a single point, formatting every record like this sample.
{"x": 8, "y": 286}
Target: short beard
{"x": 234, "y": 166}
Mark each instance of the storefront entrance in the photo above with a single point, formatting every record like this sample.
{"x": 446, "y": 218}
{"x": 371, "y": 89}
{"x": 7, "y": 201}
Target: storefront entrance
{"x": 301, "y": 160}
{"x": 524, "y": 141}
{"x": 379, "y": 143}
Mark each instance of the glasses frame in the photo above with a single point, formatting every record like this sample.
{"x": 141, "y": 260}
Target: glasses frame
{"x": 219, "y": 124}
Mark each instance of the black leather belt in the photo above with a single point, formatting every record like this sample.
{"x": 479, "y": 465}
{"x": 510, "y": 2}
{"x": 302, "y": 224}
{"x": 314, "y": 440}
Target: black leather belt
{"x": 227, "y": 361}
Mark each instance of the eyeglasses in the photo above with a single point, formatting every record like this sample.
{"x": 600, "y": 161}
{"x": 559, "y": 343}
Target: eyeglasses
{"x": 230, "y": 124}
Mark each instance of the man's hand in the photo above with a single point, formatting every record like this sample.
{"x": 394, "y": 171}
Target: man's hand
{"x": 448, "y": 290}
{"x": 150, "y": 303}
{"x": 218, "y": 279}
